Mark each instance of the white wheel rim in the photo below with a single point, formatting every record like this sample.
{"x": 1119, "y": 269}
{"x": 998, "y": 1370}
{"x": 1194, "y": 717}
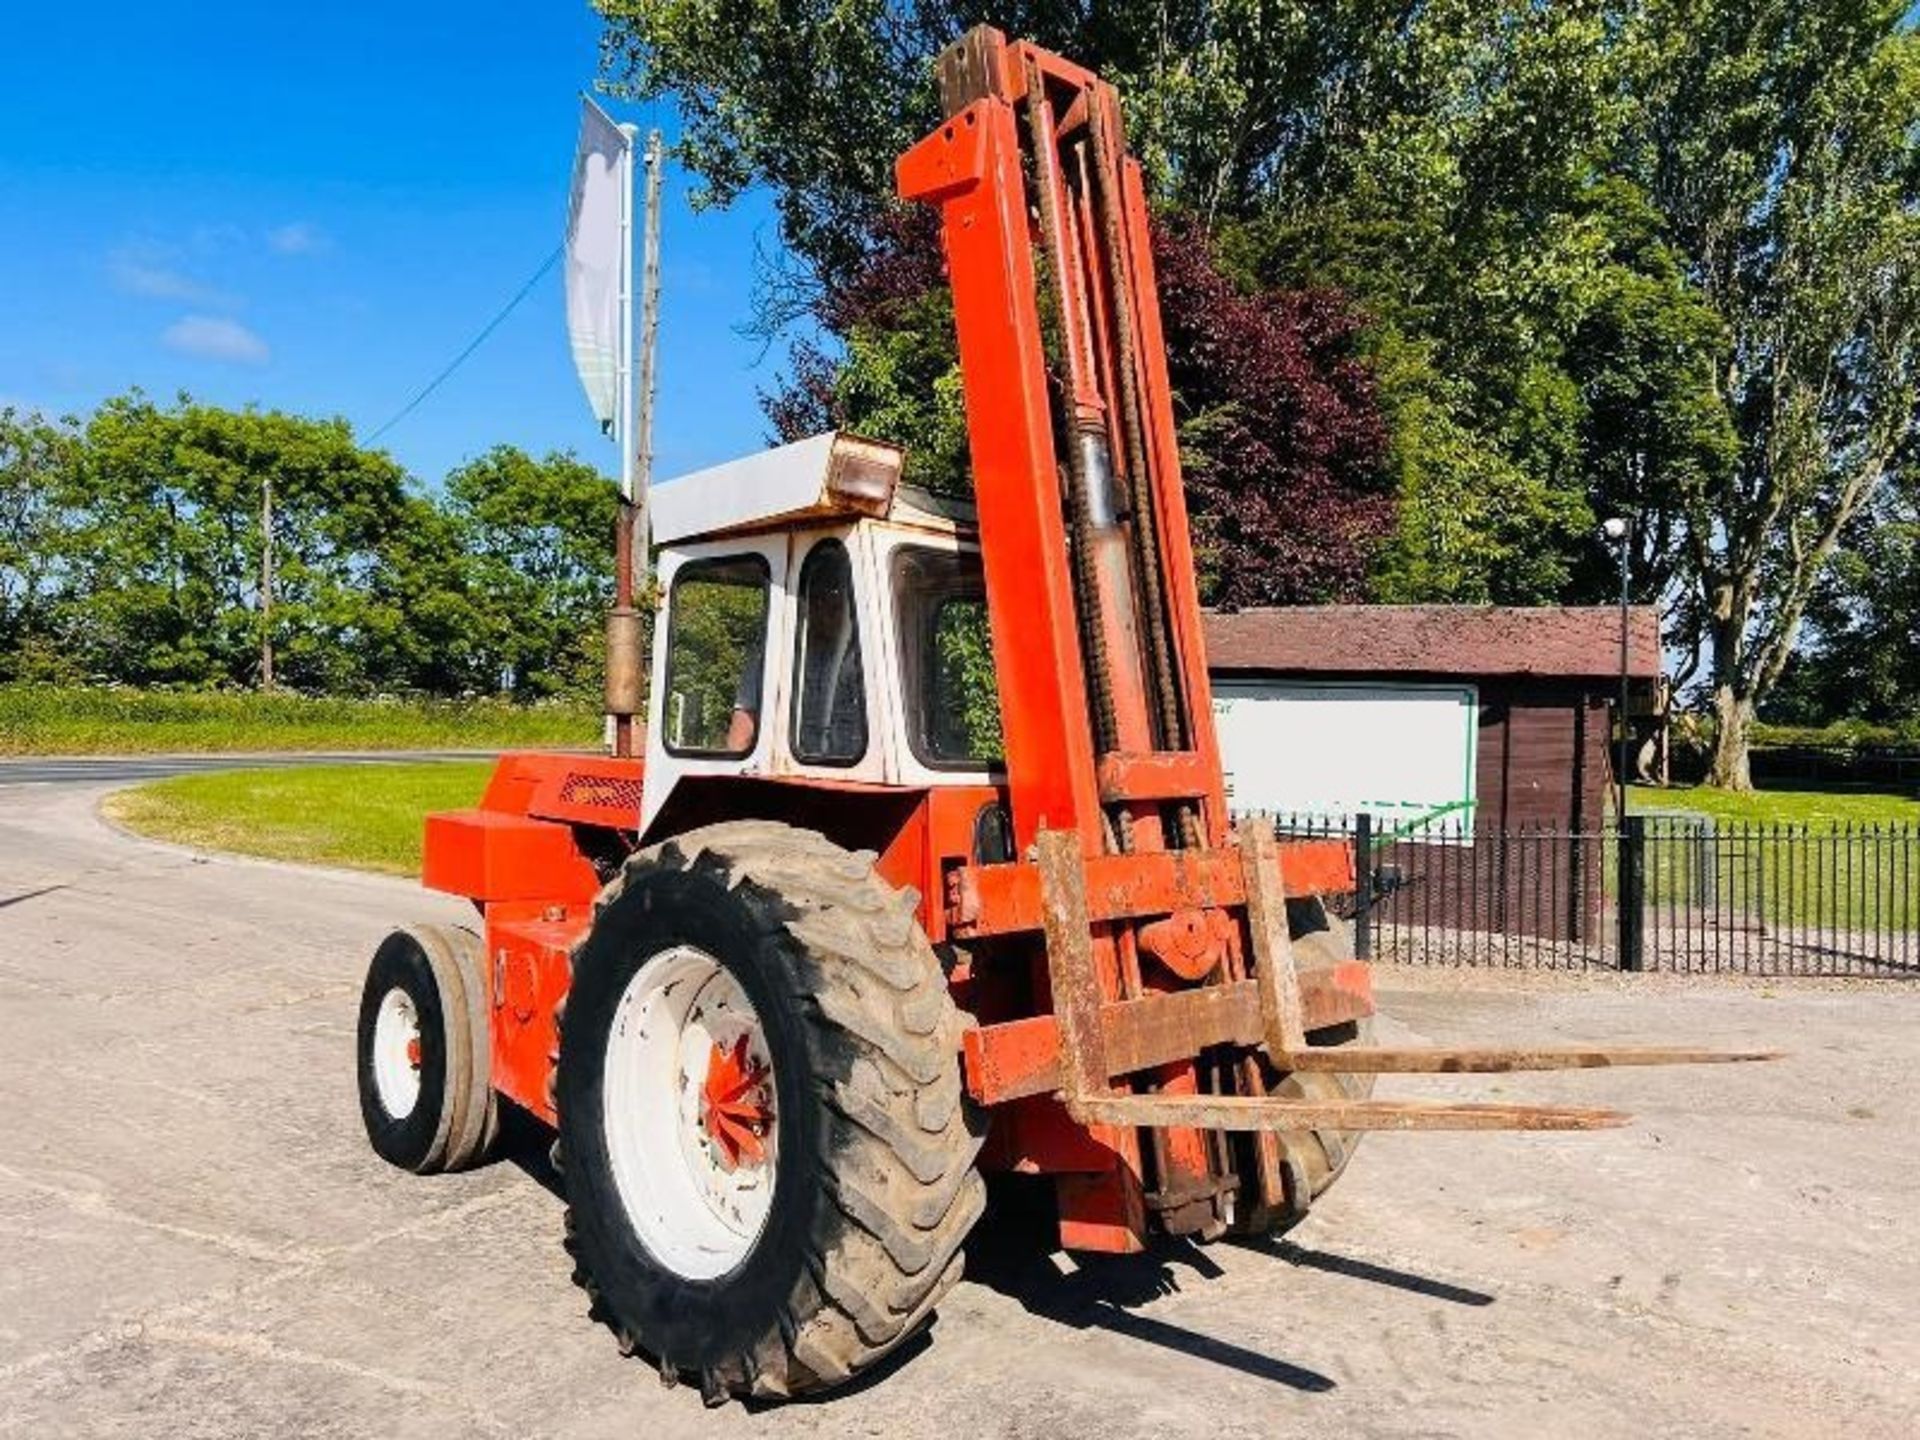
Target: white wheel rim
{"x": 696, "y": 1203}
{"x": 396, "y": 1053}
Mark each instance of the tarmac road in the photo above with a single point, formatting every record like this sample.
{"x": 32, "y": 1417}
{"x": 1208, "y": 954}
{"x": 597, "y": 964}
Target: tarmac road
{"x": 196, "y": 1240}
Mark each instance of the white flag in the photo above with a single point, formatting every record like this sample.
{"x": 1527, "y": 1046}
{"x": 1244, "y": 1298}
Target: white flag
{"x": 601, "y": 174}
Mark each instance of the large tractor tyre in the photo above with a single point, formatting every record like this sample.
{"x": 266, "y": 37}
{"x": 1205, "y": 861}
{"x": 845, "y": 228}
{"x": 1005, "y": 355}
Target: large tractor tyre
{"x": 767, "y": 1156}
{"x": 1311, "y": 1160}
{"x": 426, "y": 1088}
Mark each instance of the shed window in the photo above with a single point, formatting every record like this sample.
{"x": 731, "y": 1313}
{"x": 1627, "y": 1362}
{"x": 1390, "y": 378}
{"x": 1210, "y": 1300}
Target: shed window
{"x": 829, "y": 686}
{"x": 716, "y": 652}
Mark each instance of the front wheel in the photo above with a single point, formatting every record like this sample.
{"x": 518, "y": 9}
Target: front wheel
{"x": 426, "y": 1090}
{"x": 767, "y": 1157}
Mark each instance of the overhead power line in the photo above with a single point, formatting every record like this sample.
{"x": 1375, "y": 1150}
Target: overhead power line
{"x": 473, "y": 345}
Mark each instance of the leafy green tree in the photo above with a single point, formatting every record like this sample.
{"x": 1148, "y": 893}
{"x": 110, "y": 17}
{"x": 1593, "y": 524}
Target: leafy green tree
{"x": 37, "y": 459}
{"x": 537, "y": 535}
{"x": 1656, "y": 257}
{"x": 1446, "y": 165}
{"x": 164, "y": 572}
{"x": 1863, "y": 662}
{"x": 1783, "y": 147}
{"x": 423, "y": 625}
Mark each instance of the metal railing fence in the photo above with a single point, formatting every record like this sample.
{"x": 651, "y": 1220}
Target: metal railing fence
{"x": 1669, "y": 892}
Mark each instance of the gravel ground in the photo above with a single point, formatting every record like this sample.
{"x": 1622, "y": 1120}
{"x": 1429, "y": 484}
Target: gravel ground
{"x": 195, "y": 1239}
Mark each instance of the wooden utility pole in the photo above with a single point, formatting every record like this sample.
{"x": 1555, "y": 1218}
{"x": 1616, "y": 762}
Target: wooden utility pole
{"x": 266, "y": 582}
{"x": 649, "y": 336}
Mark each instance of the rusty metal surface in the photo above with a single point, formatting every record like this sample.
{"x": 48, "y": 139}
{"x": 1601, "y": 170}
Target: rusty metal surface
{"x": 1244, "y": 1112}
{"x": 1178, "y": 1025}
{"x": 1076, "y": 987}
{"x": 1273, "y": 968}
{"x": 971, "y": 68}
{"x": 1018, "y": 1058}
{"x": 1497, "y": 1060}
{"x": 1004, "y": 899}
{"x": 623, "y": 703}
{"x": 1190, "y": 943}
{"x": 1163, "y": 775}
{"x": 625, "y": 682}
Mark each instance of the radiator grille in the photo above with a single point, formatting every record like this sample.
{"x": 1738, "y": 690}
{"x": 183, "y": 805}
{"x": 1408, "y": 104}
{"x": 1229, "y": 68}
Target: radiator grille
{"x": 605, "y": 792}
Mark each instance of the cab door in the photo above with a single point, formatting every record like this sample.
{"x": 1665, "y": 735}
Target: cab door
{"x": 831, "y": 723}
{"x": 717, "y": 676}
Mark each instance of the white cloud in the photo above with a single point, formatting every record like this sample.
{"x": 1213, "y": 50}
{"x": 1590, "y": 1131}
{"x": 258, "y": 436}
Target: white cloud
{"x": 302, "y": 237}
{"x": 211, "y": 337}
{"x": 137, "y": 272}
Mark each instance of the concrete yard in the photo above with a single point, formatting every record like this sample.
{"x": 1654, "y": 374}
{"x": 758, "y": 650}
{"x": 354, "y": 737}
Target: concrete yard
{"x": 195, "y": 1239}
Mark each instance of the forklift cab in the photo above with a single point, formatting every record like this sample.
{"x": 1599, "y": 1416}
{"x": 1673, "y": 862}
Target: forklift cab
{"x": 820, "y": 622}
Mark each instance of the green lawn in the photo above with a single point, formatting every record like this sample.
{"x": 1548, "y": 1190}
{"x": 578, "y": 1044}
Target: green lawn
{"x": 1843, "y": 861}
{"x": 367, "y": 817}
{"x": 1815, "y": 809}
{"x": 62, "y": 720}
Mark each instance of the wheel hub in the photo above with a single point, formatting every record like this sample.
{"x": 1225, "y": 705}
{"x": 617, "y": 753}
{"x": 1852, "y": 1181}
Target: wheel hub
{"x": 688, "y": 1112}
{"x": 735, "y": 1104}
{"x": 396, "y": 1053}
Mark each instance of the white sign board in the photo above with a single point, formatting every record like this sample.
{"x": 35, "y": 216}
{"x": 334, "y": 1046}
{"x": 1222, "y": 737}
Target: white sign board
{"x": 1308, "y": 752}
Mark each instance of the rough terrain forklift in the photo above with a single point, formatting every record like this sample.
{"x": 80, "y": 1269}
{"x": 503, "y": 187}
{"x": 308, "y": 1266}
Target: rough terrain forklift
{"x": 926, "y": 871}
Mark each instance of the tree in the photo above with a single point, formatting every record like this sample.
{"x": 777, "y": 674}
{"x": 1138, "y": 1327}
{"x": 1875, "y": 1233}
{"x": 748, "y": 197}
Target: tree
{"x": 163, "y": 576}
{"x": 1781, "y": 147}
{"x": 1280, "y": 434}
{"x": 1445, "y": 165}
{"x": 37, "y": 458}
{"x": 1862, "y": 663}
{"x": 424, "y": 624}
{"x": 538, "y": 537}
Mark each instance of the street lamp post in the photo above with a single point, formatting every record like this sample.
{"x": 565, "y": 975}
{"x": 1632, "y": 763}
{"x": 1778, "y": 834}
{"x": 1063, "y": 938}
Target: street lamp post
{"x": 1619, "y": 530}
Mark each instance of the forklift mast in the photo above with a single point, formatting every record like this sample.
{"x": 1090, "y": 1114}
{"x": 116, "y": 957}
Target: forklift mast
{"x": 1091, "y": 596}
{"x": 1156, "y": 923}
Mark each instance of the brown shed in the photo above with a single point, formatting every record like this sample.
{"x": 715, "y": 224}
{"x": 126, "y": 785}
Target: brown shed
{"x": 1329, "y": 711}
{"x": 1545, "y": 680}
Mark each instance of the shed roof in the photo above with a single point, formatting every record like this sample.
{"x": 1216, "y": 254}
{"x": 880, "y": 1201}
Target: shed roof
{"x": 1564, "y": 641}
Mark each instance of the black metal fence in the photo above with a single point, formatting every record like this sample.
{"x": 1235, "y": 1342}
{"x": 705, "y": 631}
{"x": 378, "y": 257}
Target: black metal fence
{"x": 1669, "y": 892}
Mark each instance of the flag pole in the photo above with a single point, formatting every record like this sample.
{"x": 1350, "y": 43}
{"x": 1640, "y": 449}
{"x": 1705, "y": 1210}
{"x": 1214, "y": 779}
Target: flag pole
{"x": 642, "y": 447}
{"x": 623, "y": 425}
{"x": 623, "y": 620}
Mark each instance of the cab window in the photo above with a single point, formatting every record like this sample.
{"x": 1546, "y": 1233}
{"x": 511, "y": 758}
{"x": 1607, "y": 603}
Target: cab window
{"x": 952, "y": 693}
{"x": 829, "y": 688}
{"x": 716, "y": 655}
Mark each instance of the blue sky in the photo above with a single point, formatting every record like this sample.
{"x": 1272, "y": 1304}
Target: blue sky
{"x": 315, "y": 207}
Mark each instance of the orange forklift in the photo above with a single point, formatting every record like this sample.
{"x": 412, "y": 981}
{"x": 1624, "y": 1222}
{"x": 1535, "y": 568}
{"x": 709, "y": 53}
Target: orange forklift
{"x": 926, "y": 870}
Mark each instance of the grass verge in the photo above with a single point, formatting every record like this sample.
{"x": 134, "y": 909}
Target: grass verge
{"x": 365, "y": 817}
{"x": 66, "y": 720}
{"x": 1815, "y": 809}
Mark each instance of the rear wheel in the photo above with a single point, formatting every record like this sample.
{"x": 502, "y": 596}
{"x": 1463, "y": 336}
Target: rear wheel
{"x": 426, "y": 1091}
{"x": 767, "y": 1158}
{"x": 1311, "y": 1160}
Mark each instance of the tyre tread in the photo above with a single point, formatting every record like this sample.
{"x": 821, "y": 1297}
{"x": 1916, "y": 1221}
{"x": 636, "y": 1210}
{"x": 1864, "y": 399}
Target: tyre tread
{"x": 902, "y": 1144}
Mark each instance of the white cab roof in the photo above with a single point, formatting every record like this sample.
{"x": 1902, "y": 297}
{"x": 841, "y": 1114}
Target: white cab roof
{"x": 825, "y": 476}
